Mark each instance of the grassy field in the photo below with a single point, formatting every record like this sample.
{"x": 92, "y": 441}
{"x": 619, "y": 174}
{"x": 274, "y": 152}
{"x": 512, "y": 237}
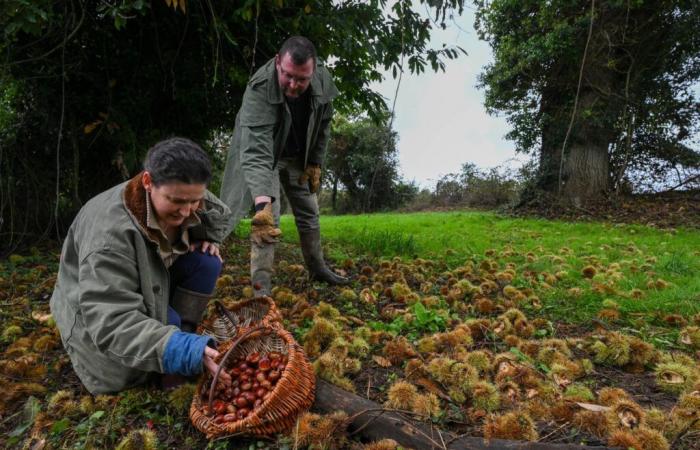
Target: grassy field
{"x": 643, "y": 254}
{"x": 572, "y": 306}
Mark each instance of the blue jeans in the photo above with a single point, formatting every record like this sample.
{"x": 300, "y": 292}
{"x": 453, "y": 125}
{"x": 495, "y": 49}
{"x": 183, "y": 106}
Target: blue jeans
{"x": 194, "y": 271}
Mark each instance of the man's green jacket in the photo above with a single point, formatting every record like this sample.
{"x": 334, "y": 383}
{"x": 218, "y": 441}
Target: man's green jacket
{"x": 111, "y": 296}
{"x": 260, "y": 134}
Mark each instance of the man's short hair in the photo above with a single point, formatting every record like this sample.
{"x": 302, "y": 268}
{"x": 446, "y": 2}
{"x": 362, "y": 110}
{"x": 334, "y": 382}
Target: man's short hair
{"x": 300, "y": 49}
{"x": 178, "y": 159}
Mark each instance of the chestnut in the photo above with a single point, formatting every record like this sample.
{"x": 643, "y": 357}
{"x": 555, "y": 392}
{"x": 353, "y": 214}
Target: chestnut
{"x": 274, "y": 375}
{"x": 266, "y": 384}
{"x": 264, "y": 364}
{"x": 241, "y": 402}
{"x": 242, "y": 413}
{"x": 219, "y": 406}
{"x": 246, "y": 386}
{"x": 260, "y": 393}
{"x": 231, "y": 417}
{"x": 257, "y": 403}
{"x": 253, "y": 358}
{"x": 274, "y": 355}
{"x": 236, "y": 391}
{"x": 249, "y": 396}
{"x": 260, "y": 377}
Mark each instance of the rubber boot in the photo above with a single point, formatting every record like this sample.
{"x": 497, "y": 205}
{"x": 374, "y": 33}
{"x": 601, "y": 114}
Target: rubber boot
{"x": 313, "y": 256}
{"x": 261, "y": 261}
{"x": 190, "y": 306}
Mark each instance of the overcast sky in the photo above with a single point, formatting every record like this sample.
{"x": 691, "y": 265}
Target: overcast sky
{"x": 440, "y": 117}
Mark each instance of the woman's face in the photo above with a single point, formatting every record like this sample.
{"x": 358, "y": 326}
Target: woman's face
{"x": 173, "y": 202}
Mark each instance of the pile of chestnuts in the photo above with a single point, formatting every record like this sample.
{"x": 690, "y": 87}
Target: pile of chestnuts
{"x": 253, "y": 378}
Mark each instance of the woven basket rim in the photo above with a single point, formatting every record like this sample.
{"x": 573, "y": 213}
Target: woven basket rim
{"x": 256, "y": 418}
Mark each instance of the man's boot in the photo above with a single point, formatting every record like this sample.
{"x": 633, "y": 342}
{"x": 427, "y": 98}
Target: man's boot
{"x": 261, "y": 261}
{"x": 190, "y": 306}
{"x": 313, "y": 256}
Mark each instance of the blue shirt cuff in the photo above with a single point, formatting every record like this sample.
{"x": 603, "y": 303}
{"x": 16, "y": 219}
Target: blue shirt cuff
{"x": 184, "y": 352}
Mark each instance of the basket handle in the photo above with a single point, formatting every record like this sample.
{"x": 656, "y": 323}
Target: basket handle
{"x": 238, "y": 340}
{"x": 225, "y": 312}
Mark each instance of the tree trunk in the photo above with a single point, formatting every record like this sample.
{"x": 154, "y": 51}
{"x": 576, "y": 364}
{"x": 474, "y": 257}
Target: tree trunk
{"x": 372, "y": 422}
{"x": 585, "y": 171}
{"x": 334, "y": 195}
{"x": 585, "y": 174}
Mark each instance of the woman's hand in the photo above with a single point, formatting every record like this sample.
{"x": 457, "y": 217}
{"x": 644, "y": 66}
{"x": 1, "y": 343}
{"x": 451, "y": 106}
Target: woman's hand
{"x": 207, "y": 247}
{"x": 208, "y": 359}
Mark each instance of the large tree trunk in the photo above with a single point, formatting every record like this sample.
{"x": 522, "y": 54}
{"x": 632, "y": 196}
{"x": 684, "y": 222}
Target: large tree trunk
{"x": 585, "y": 171}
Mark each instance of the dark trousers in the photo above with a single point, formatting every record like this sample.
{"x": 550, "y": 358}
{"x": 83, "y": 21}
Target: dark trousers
{"x": 194, "y": 271}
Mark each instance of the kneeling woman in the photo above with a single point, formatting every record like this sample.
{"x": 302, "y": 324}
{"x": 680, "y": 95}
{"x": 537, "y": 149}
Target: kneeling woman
{"x": 137, "y": 269}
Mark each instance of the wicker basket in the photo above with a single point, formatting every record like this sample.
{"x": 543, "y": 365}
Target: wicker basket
{"x": 243, "y": 315}
{"x": 293, "y": 393}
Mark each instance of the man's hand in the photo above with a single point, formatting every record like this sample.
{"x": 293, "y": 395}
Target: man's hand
{"x": 311, "y": 175}
{"x": 263, "y": 229}
{"x": 208, "y": 359}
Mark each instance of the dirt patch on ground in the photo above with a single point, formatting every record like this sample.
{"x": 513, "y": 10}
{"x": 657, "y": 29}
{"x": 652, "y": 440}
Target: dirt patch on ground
{"x": 665, "y": 210}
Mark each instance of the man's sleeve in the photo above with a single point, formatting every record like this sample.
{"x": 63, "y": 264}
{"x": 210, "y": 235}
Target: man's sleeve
{"x": 318, "y": 152}
{"x": 257, "y": 121}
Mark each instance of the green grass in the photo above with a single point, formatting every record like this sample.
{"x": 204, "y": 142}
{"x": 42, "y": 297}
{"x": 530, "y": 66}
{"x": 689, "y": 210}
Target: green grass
{"x": 456, "y": 237}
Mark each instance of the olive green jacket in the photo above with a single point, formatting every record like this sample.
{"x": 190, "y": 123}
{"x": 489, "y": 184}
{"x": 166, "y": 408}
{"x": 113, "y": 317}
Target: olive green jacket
{"x": 111, "y": 296}
{"x": 260, "y": 134}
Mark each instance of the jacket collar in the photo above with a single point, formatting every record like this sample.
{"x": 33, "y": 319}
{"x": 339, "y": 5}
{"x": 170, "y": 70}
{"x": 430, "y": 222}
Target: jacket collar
{"x": 134, "y": 198}
{"x": 274, "y": 92}
{"x": 136, "y": 204}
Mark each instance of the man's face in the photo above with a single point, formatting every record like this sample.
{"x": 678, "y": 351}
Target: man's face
{"x": 173, "y": 202}
{"x": 293, "y": 79}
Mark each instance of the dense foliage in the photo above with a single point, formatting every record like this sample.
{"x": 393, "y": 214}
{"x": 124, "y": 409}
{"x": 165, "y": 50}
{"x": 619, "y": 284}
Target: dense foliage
{"x": 635, "y": 111}
{"x": 87, "y": 87}
{"x": 362, "y": 167}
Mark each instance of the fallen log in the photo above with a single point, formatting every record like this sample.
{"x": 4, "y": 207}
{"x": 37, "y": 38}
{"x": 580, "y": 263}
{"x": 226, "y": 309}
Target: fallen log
{"x": 372, "y": 422}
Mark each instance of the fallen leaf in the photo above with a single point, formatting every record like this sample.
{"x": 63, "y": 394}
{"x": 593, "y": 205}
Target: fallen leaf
{"x": 381, "y": 361}
{"x": 41, "y": 317}
{"x": 433, "y": 387}
{"x": 593, "y": 407}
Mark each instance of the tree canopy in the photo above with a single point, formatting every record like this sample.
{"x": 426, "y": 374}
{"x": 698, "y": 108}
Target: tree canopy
{"x": 609, "y": 82}
{"x": 362, "y": 165}
{"x": 87, "y": 87}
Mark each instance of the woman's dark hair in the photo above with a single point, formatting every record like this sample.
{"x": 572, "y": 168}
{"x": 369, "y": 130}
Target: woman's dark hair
{"x": 300, "y": 49}
{"x": 178, "y": 159}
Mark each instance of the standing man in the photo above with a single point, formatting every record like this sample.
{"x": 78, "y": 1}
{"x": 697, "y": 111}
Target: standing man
{"x": 280, "y": 139}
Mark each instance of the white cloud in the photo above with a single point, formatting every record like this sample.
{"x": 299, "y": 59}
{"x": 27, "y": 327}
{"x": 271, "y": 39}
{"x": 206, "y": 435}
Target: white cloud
{"x": 440, "y": 117}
